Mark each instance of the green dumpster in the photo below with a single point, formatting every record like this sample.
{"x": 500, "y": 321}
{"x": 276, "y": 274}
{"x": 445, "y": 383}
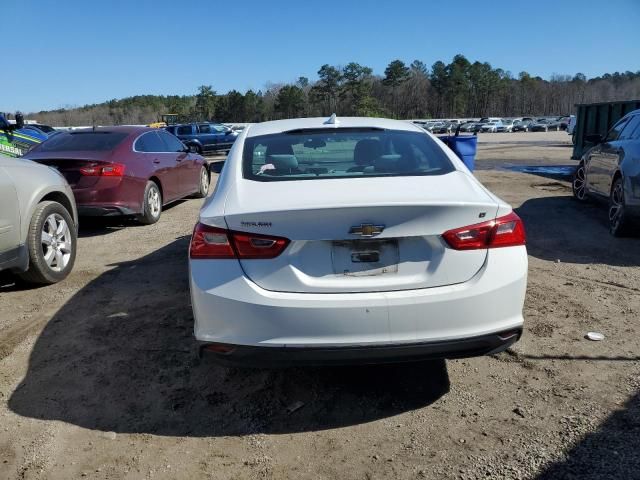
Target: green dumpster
{"x": 597, "y": 118}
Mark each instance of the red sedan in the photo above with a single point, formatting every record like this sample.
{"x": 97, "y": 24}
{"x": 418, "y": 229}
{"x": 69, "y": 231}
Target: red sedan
{"x": 124, "y": 170}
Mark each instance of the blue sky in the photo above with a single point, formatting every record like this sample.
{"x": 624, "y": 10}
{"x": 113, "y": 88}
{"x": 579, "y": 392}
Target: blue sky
{"x": 69, "y": 52}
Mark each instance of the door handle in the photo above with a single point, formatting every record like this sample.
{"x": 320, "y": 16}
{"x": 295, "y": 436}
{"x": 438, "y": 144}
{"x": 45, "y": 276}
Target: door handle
{"x": 156, "y": 161}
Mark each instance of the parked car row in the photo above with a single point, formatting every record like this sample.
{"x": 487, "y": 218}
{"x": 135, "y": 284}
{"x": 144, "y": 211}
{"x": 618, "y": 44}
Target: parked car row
{"x": 124, "y": 170}
{"x": 496, "y": 125}
{"x": 439, "y": 127}
{"x": 102, "y": 171}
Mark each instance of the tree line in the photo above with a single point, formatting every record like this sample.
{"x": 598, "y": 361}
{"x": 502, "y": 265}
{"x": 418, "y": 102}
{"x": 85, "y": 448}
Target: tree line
{"x": 459, "y": 89}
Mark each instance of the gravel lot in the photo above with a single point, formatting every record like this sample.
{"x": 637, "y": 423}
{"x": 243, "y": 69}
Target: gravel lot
{"x": 98, "y": 377}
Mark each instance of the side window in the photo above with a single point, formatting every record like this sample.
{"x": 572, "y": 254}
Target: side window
{"x": 219, "y": 128}
{"x": 149, "y": 142}
{"x": 636, "y": 133}
{"x": 614, "y": 133}
{"x": 631, "y": 128}
{"x": 172, "y": 144}
{"x": 204, "y": 128}
{"x": 184, "y": 130}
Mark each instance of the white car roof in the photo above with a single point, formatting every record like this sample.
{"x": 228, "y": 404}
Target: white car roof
{"x": 279, "y": 126}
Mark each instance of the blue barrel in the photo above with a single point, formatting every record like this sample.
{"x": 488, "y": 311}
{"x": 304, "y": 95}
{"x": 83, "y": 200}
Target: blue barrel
{"x": 464, "y": 146}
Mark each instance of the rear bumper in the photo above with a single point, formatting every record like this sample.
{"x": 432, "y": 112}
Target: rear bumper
{"x": 274, "y": 357}
{"x": 110, "y": 196}
{"x": 441, "y": 321}
{"x": 103, "y": 211}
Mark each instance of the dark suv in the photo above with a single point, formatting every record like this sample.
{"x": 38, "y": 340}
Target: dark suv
{"x": 611, "y": 171}
{"x": 204, "y": 137}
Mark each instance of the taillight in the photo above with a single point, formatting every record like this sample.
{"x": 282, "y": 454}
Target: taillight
{"x": 210, "y": 242}
{"x": 249, "y": 245}
{"x": 507, "y": 231}
{"x": 108, "y": 170}
{"x": 214, "y": 242}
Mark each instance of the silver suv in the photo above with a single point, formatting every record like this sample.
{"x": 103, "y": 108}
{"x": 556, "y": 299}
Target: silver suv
{"x": 38, "y": 221}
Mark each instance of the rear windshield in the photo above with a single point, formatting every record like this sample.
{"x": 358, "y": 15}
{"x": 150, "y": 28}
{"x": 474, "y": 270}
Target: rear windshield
{"x": 83, "y": 141}
{"x": 342, "y": 153}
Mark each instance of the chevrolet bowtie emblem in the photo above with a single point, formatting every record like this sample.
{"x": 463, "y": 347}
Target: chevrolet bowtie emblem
{"x": 366, "y": 230}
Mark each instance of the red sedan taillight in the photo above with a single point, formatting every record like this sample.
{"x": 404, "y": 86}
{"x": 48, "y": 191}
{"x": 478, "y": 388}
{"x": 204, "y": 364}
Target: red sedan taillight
{"x": 108, "y": 170}
{"x": 507, "y": 231}
{"x": 213, "y": 242}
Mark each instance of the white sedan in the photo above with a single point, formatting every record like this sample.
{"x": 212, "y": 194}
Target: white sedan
{"x": 491, "y": 127}
{"x": 353, "y": 240}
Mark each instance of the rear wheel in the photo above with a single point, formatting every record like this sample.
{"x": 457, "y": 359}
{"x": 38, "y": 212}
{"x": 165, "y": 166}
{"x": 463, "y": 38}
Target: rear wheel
{"x": 152, "y": 204}
{"x": 203, "y": 183}
{"x": 618, "y": 219}
{"x": 578, "y": 183}
{"x": 51, "y": 241}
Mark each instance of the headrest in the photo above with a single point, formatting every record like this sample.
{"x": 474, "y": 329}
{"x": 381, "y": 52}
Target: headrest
{"x": 387, "y": 163}
{"x": 367, "y": 151}
{"x": 283, "y": 162}
{"x": 279, "y": 148}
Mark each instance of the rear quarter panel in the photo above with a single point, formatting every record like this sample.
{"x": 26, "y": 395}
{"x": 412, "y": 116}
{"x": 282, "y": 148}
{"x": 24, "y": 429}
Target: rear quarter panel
{"x": 33, "y": 182}
{"x": 139, "y": 169}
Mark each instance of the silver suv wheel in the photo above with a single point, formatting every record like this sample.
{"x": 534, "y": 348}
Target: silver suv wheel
{"x": 57, "y": 245}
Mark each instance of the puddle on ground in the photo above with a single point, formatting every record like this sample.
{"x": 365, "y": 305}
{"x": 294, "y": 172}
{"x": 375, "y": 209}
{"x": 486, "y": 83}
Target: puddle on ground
{"x": 555, "y": 170}
{"x": 552, "y": 187}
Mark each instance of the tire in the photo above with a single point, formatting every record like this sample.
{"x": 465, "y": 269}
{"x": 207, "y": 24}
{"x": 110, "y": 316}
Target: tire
{"x": 151, "y": 204}
{"x": 578, "y": 186}
{"x": 618, "y": 218}
{"x": 51, "y": 240}
{"x": 194, "y": 148}
{"x": 203, "y": 183}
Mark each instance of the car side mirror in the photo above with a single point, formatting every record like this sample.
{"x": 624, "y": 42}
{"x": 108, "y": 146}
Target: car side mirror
{"x": 594, "y": 138}
{"x": 191, "y": 149}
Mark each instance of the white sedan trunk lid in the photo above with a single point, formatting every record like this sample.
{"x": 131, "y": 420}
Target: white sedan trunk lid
{"x": 324, "y": 218}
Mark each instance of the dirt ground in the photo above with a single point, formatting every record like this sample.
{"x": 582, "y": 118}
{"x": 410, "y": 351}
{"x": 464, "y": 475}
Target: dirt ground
{"x": 98, "y": 377}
